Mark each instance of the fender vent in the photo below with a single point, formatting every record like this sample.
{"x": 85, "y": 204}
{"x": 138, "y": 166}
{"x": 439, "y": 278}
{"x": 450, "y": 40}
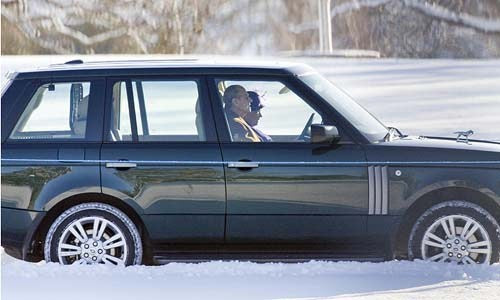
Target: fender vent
{"x": 378, "y": 190}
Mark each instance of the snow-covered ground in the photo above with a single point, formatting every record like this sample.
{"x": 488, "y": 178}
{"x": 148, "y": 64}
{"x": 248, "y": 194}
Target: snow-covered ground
{"x": 432, "y": 97}
{"x": 246, "y": 280}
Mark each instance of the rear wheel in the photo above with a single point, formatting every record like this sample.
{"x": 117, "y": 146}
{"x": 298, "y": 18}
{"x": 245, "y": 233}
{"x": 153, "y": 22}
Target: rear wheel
{"x": 93, "y": 233}
{"x": 457, "y": 232}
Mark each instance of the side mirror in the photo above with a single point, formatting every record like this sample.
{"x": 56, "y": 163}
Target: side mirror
{"x": 324, "y": 134}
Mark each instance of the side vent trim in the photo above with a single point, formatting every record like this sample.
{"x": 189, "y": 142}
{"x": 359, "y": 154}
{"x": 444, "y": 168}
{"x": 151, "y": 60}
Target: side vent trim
{"x": 378, "y": 190}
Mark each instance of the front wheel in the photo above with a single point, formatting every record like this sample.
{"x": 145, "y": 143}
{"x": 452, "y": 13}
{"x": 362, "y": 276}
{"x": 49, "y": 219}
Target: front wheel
{"x": 455, "y": 231}
{"x": 93, "y": 233}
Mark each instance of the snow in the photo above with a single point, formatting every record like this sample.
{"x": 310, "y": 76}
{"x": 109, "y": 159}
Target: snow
{"x": 433, "y": 10}
{"x": 247, "y": 280}
{"x": 441, "y": 12}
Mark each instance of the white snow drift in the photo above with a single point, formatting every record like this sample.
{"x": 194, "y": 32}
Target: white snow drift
{"x": 246, "y": 280}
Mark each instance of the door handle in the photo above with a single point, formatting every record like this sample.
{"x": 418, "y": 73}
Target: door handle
{"x": 121, "y": 165}
{"x": 243, "y": 164}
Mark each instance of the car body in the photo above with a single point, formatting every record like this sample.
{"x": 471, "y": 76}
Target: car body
{"x": 171, "y": 172}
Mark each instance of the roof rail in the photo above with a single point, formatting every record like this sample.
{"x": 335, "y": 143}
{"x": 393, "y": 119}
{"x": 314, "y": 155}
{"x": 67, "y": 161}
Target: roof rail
{"x": 74, "y": 62}
{"x": 118, "y": 61}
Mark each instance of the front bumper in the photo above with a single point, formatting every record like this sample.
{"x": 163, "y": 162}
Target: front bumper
{"x": 18, "y": 227}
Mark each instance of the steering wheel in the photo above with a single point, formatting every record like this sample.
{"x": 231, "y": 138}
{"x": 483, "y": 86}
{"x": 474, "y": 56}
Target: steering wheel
{"x": 306, "y": 132}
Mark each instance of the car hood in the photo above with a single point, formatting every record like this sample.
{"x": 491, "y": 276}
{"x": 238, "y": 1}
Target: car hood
{"x": 446, "y": 143}
{"x": 437, "y": 149}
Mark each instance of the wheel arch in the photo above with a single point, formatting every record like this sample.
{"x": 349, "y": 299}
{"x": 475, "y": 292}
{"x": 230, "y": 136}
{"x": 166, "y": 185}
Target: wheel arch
{"x": 33, "y": 248}
{"x": 429, "y": 199}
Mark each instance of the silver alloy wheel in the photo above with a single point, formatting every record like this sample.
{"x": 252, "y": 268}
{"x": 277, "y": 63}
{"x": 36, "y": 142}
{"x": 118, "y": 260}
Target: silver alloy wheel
{"x": 456, "y": 238}
{"x": 92, "y": 240}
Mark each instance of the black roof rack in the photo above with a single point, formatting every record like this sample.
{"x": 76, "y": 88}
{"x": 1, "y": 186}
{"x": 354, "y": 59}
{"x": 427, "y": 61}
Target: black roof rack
{"x": 74, "y": 62}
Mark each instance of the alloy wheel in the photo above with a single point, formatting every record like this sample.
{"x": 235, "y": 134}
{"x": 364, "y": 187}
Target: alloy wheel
{"x": 456, "y": 238}
{"x": 92, "y": 240}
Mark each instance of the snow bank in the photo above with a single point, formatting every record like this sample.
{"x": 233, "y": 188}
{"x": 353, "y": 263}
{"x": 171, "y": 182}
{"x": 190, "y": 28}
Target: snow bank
{"x": 244, "y": 280}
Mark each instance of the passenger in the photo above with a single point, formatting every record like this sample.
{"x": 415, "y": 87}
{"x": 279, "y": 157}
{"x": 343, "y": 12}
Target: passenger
{"x": 252, "y": 118}
{"x": 237, "y": 106}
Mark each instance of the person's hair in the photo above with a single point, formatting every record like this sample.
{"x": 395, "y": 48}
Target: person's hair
{"x": 232, "y": 92}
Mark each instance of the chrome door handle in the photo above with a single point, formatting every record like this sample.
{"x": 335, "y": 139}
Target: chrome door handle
{"x": 121, "y": 165}
{"x": 243, "y": 164}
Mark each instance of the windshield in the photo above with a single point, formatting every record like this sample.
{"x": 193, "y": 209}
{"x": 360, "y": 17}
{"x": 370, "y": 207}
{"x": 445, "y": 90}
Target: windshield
{"x": 367, "y": 124}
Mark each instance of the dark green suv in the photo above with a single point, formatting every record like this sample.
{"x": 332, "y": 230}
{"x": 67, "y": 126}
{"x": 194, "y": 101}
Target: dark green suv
{"x": 157, "y": 161}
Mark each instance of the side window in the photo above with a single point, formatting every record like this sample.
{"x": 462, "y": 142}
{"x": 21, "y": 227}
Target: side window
{"x": 164, "y": 111}
{"x": 266, "y": 111}
{"x": 56, "y": 111}
{"x": 121, "y": 130}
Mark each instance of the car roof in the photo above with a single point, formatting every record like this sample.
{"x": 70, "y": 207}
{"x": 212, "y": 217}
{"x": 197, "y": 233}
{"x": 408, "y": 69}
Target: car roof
{"x": 179, "y": 66}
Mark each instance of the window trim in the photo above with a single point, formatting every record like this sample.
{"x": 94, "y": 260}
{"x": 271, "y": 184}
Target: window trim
{"x": 203, "y": 97}
{"x": 93, "y": 124}
{"x": 142, "y": 107}
{"x": 131, "y": 110}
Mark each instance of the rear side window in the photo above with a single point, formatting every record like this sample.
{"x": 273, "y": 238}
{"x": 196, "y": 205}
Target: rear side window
{"x": 163, "y": 111}
{"x": 56, "y": 111}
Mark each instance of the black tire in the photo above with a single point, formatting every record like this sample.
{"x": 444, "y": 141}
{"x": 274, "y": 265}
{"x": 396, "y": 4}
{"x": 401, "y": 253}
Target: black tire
{"x": 115, "y": 219}
{"x": 457, "y": 208}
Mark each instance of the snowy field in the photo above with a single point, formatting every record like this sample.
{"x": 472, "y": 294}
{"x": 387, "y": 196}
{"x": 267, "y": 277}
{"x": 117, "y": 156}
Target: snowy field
{"x": 424, "y": 97}
{"x": 246, "y": 280}
{"x": 431, "y": 97}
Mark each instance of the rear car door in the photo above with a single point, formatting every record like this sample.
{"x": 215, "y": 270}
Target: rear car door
{"x": 161, "y": 155}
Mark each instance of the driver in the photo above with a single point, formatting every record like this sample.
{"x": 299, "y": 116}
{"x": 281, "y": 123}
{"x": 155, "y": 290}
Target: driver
{"x": 253, "y": 117}
{"x": 237, "y": 106}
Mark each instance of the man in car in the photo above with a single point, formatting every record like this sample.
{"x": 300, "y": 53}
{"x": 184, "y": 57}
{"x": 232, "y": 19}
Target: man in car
{"x": 252, "y": 118}
{"x": 237, "y": 106}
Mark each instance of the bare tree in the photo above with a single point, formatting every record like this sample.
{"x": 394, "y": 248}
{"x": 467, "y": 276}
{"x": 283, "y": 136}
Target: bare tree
{"x": 402, "y": 28}
{"x": 89, "y": 26}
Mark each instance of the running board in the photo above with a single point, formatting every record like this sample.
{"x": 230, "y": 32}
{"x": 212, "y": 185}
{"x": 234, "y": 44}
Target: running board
{"x": 257, "y": 258}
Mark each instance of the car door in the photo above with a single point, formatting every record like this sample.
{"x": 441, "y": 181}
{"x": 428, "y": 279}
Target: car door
{"x": 161, "y": 155}
{"x": 289, "y": 191}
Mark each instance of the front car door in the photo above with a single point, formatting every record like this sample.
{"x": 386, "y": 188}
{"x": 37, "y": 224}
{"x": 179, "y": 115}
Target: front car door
{"x": 161, "y": 155}
{"x": 288, "y": 194}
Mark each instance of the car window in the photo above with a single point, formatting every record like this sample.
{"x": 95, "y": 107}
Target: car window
{"x": 275, "y": 113}
{"x": 360, "y": 118}
{"x": 163, "y": 110}
{"x": 56, "y": 111}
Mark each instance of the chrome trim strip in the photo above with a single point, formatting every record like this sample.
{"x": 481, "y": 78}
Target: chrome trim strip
{"x": 262, "y": 162}
{"x": 371, "y": 191}
{"x": 378, "y": 191}
{"x": 121, "y": 165}
{"x": 243, "y": 164}
{"x": 385, "y": 191}
{"x": 433, "y": 162}
{"x": 90, "y": 161}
